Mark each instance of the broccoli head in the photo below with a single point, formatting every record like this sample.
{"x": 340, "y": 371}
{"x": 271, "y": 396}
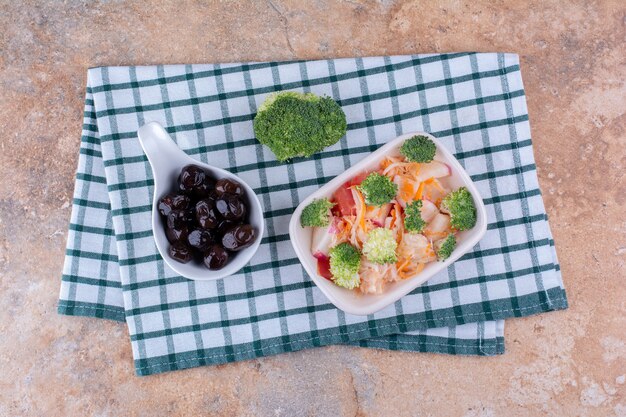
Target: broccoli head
{"x": 460, "y": 206}
{"x": 444, "y": 247}
{"x": 378, "y": 189}
{"x": 316, "y": 214}
{"x": 345, "y": 261}
{"x": 294, "y": 124}
{"x": 380, "y": 246}
{"x": 413, "y": 221}
{"x": 418, "y": 149}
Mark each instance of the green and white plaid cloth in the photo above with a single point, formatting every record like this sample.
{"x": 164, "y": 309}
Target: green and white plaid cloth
{"x": 473, "y": 102}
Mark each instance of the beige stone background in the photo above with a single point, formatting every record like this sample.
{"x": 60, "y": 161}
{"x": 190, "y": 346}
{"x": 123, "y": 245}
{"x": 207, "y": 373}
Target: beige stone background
{"x": 567, "y": 363}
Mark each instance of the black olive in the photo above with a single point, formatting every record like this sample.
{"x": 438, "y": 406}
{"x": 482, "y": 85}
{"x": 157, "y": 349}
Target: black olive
{"x": 177, "y": 219}
{"x": 205, "y": 188}
{"x": 215, "y": 257}
{"x": 239, "y": 237}
{"x": 230, "y": 207}
{"x": 191, "y": 177}
{"x": 213, "y": 195}
{"x": 173, "y": 202}
{"x": 177, "y": 234}
{"x": 181, "y": 252}
{"x": 225, "y": 185}
{"x": 224, "y": 226}
{"x": 206, "y": 214}
{"x": 201, "y": 239}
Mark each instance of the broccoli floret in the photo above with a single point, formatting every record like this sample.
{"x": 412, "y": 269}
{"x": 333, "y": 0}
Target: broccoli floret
{"x": 413, "y": 221}
{"x": 345, "y": 261}
{"x": 418, "y": 149}
{"x": 444, "y": 247}
{"x": 378, "y": 189}
{"x": 380, "y": 246}
{"x": 294, "y": 124}
{"x": 460, "y": 206}
{"x": 316, "y": 214}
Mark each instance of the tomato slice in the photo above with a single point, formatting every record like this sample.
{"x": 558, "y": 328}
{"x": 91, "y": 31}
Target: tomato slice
{"x": 342, "y": 197}
{"x": 359, "y": 178}
{"x": 323, "y": 266}
{"x": 344, "y": 203}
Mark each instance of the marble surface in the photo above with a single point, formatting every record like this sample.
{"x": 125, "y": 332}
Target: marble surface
{"x": 566, "y": 363}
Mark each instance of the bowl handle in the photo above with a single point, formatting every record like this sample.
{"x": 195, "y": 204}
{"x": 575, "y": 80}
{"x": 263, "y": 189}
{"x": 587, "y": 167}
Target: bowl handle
{"x": 161, "y": 150}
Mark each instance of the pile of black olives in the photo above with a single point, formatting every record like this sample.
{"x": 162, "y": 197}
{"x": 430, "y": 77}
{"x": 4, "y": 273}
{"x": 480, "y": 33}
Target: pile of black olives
{"x": 206, "y": 219}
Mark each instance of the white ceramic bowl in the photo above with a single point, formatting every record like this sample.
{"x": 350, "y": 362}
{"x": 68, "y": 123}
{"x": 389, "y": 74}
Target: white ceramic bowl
{"x": 167, "y": 159}
{"x": 359, "y": 304}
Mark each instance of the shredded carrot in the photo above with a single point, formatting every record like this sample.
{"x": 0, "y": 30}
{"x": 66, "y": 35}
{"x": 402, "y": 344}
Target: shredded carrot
{"x": 412, "y": 272}
{"x": 344, "y": 230}
{"x": 433, "y": 190}
{"x": 385, "y": 163}
{"x": 401, "y": 167}
{"x": 419, "y": 268}
{"x": 407, "y": 190}
{"x": 400, "y": 223}
{"x": 372, "y": 210}
{"x": 405, "y": 274}
{"x": 414, "y": 168}
{"x": 395, "y": 214}
{"x": 436, "y": 184}
{"x": 404, "y": 264}
{"x": 361, "y": 220}
{"x": 420, "y": 189}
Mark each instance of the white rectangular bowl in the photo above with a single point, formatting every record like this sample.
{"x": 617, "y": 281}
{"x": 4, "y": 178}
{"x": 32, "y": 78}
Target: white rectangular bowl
{"x": 359, "y": 304}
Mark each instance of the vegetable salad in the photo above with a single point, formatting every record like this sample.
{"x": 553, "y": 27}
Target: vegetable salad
{"x": 386, "y": 225}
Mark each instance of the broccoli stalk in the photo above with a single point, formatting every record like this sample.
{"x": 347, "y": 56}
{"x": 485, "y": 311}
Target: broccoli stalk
{"x": 444, "y": 247}
{"x": 378, "y": 189}
{"x": 345, "y": 261}
{"x": 418, "y": 149}
{"x": 413, "y": 221}
{"x": 316, "y": 214}
{"x": 380, "y": 246}
{"x": 460, "y": 206}
{"x": 294, "y": 124}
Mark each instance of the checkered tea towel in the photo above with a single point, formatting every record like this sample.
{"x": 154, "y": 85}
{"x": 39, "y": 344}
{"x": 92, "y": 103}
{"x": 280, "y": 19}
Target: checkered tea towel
{"x": 473, "y": 102}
